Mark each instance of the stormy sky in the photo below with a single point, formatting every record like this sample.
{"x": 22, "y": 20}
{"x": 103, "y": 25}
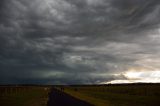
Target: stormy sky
{"x": 79, "y": 41}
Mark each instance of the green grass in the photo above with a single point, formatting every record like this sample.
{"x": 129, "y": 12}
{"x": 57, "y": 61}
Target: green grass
{"x": 32, "y": 96}
{"x": 120, "y": 95}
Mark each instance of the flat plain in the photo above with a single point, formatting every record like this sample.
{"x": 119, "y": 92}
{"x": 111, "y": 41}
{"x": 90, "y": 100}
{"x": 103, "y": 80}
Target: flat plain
{"x": 23, "y": 96}
{"x": 95, "y": 95}
{"x": 118, "y": 95}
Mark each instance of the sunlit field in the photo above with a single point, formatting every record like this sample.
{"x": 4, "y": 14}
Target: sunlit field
{"x": 23, "y": 96}
{"x": 118, "y": 95}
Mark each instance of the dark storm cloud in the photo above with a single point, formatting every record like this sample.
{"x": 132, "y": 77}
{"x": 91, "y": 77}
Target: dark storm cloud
{"x": 76, "y": 41}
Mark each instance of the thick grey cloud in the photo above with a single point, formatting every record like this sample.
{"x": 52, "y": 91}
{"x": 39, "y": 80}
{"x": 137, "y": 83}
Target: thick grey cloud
{"x": 77, "y": 41}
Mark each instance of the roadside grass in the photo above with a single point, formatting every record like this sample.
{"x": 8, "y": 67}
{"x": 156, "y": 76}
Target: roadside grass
{"x": 88, "y": 98}
{"x": 32, "y": 96}
{"x": 128, "y": 95}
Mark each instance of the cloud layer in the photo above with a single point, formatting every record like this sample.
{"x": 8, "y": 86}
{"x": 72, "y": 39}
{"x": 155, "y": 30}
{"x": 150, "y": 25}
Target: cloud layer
{"x": 77, "y": 41}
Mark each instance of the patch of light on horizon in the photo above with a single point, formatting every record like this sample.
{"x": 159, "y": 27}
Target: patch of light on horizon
{"x": 142, "y": 74}
{"x": 132, "y": 75}
{"x": 138, "y": 77}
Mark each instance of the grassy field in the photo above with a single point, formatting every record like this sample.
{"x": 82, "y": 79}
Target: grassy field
{"x": 98, "y": 95}
{"x": 23, "y": 96}
{"x": 118, "y": 95}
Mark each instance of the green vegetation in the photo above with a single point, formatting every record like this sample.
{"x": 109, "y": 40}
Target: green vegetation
{"x": 23, "y": 96}
{"x": 118, "y": 95}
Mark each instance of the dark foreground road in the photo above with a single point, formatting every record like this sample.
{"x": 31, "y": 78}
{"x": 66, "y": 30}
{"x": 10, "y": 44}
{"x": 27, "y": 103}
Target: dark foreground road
{"x": 58, "y": 98}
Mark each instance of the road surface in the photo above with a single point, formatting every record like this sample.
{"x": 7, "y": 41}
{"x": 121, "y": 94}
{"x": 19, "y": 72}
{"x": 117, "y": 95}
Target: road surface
{"x": 59, "y": 98}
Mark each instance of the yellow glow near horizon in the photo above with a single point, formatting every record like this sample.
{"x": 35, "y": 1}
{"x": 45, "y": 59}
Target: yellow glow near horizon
{"x": 142, "y": 74}
{"x": 134, "y": 76}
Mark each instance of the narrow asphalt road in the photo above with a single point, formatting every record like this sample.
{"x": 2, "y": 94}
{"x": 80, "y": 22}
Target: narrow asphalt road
{"x": 59, "y": 98}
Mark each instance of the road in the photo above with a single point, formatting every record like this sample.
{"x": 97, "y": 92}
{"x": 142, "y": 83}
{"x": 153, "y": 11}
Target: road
{"x": 59, "y": 98}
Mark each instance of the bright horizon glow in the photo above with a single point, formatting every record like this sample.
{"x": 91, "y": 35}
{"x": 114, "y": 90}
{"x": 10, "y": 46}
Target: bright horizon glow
{"x": 133, "y": 75}
{"x": 139, "y": 77}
